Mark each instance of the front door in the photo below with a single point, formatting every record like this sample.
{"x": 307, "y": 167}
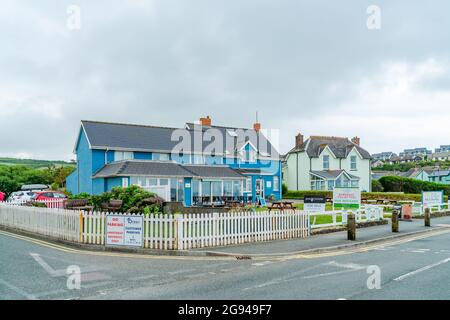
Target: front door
{"x": 259, "y": 188}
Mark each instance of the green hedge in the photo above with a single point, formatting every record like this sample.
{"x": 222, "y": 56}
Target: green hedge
{"x": 406, "y": 185}
{"x": 368, "y": 195}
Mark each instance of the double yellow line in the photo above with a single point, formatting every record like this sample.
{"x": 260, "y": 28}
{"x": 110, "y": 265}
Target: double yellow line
{"x": 107, "y": 254}
{"x": 344, "y": 251}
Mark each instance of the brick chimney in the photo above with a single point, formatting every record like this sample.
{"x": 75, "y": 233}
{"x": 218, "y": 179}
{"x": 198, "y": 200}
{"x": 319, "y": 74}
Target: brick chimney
{"x": 205, "y": 121}
{"x": 356, "y": 140}
{"x": 298, "y": 140}
{"x": 257, "y": 126}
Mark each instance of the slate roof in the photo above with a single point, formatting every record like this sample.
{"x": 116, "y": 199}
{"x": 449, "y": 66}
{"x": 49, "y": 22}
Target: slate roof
{"x": 341, "y": 147}
{"x": 159, "y": 139}
{"x": 147, "y": 168}
{"x": 165, "y": 169}
{"x": 205, "y": 171}
{"x": 440, "y": 173}
{"x": 332, "y": 174}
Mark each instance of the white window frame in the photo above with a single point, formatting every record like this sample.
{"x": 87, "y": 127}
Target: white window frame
{"x": 327, "y": 161}
{"x": 355, "y": 168}
{"x": 123, "y": 155}
{"x": 276, "y": 183}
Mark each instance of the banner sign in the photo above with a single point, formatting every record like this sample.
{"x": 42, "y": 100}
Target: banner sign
{"x": 124, "y": 230}
{"x": 346, "y": 198}
{"x": 314, "y": 204}
{"x": 432, "y": 198}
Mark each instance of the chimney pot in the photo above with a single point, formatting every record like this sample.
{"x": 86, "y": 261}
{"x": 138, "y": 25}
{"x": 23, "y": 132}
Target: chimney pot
{"x": 356, "y": 140}
{"x": 205, "y": 121}
{"x": 298, "y": 140}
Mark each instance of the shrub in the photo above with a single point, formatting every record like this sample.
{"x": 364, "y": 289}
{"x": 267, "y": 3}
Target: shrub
{"x": 377, "y": 186}
{"x": 284, "y": 189}
{"x": 135, "y": 199}
{"x": 407, "y": 185}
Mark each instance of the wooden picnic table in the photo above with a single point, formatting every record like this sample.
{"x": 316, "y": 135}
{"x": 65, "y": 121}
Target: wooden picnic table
{"x": 282, "y": 205}
{"x": 232, "y": 203}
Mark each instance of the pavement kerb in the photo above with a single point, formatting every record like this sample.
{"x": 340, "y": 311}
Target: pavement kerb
{"x": 210, "y": 253}
{"x": 331, "y": 248}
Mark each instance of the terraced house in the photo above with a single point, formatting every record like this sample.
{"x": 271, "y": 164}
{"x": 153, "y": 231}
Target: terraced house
{"x": 198, "y": 164}
{"x": 323, "y": 163}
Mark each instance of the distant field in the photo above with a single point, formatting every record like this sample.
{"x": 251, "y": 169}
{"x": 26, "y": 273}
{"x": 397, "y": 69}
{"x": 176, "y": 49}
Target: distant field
{"x": 36, "y": 164}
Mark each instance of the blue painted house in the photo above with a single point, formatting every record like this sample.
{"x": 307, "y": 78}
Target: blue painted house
{"x": 197, "y": 164}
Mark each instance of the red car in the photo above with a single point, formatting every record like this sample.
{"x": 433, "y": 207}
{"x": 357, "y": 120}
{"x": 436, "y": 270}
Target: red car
{"x": 2, "y": 196}
{"x": 48, "y": 195}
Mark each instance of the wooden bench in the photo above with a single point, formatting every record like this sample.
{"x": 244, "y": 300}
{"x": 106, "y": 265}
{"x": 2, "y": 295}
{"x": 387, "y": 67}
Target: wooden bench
{"x": 112, "y": 205}
{"x": 78, "y": 204}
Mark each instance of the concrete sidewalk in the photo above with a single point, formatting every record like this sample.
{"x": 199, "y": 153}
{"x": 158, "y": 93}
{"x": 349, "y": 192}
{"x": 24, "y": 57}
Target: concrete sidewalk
{"x": 330, "y": 240}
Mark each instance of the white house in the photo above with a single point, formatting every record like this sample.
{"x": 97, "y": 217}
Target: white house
{"x": 322, "y": 163}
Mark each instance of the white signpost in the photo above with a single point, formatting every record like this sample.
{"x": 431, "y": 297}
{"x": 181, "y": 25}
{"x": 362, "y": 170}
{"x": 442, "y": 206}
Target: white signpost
{"x": 124, "y": 230}
{"x": 432, "y": 199}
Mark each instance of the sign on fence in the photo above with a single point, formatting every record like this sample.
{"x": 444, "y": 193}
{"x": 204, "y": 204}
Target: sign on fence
{"x": 432, "y": 198}
{"x": 346, "y": 198}
{"x": 314, "y": 204}
{"x": 124, "y": 230}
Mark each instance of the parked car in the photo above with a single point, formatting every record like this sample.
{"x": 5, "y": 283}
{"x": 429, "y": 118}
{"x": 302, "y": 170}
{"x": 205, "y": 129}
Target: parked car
{"x": 2, "y": 196}
{"x": 48, "y": 195}
{"x": 20, "y": 196}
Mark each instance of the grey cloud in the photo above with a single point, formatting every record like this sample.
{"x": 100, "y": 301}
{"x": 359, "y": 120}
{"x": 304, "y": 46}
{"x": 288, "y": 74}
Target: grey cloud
{"x": 167, "y": 62}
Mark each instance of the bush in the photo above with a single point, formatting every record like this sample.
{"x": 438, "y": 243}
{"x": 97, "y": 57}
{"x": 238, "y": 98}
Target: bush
{"x": 135, "y": 199}
{"x": 284, "y": 189}
{"x": 377, "y": 186}
{"x": 400, "y": 196}
{"x": 400, "y": 184}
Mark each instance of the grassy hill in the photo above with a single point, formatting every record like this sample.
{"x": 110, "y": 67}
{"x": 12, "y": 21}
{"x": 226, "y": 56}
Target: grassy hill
{"x": 35, "y": 164}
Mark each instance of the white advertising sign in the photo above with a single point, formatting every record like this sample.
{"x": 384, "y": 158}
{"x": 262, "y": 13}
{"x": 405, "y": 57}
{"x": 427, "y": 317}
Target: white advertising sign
{"x": 124, "y": 230}
{"x": 314, "y": 207}
{"x": 346, "y": 198}
{"x": 432, "y": 198}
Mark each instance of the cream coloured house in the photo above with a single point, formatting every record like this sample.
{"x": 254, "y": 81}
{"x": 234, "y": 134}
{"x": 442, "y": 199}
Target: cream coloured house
{"x": 322, "y": 163}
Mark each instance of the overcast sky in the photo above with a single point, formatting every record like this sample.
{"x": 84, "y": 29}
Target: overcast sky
{"x": 306, "y": 66}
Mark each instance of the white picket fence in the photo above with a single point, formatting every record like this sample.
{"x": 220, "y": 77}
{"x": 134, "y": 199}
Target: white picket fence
{"x": 339, "y": 217}
{"x": 51, "y": 203}
{"x": 189, "y": 231}
{"x": 181, "y": 231}
{"x": 56, "y": 223}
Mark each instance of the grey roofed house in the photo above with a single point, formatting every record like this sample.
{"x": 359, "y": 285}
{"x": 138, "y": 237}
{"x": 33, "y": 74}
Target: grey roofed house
{"x": 440, "y": 173}
{"x": 332, "y": 174}
{"x": 103, "y": 135}
{"x": 340, "y": 147}
{"x": 165, "y": 169}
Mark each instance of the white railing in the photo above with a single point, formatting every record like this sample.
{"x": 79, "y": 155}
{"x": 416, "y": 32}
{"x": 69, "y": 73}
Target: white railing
{"x": 51, "y": 203}
{"x": 188, "y": 231}
{"x": 337, "y": 218}
{"x": 57, "y": 223}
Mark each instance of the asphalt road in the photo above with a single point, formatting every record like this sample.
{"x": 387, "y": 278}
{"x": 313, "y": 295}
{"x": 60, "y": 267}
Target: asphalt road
{"x": 417, "y": 269}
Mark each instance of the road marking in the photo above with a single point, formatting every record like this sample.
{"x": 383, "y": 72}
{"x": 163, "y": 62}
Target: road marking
{"x": 410, "y": 274}
{"x": 352, "y": 266}
{"x": 172, "y": 273}
{"x": 330, "y": 274}
{"x": 18, "y": 290}
{"x": 52, "y": 272}
{"x": 150, "y": 276}
{"x": 111, "y": 254}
